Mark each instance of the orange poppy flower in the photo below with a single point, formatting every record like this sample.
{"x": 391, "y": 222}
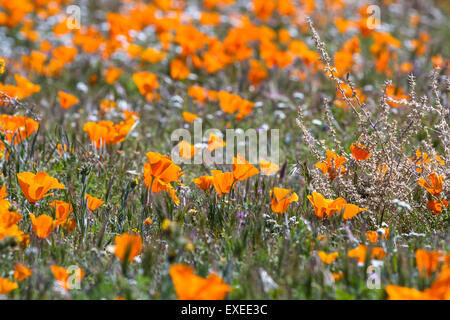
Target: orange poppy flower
{"x": 231, "y": 103}
{"x": 203, "y": 182}
{"x": 257, "y": 72}
{"x": 326, "y": 207}
{"x": 351, "y": 210}
{"x": 63, "y": 277}
{"x": 21, "y": 272}
{"x": 328, "y": 258}
{"x": 427, "y": 261}
{"x": 42, "y": 225}
{"x": 128, "y": 246}
{"x": 187, "y": 150}
{"x": 263, "y": 9}
{"x": 179, "y": 69}
{"x": 64, "y": 54}
{"x": 7, "y": 286}
{"x": 436, "y": 206}
{"x": 112, "y": 74}
{"x": 378, "y": 253}
{"x": 160, "y": 172}
{"x": 36, "y": 186}
{"x": 372, "y": 236}
{"x": 108, "y": 132}
{"x": 360, "y": 152}
{"x": 152, "y": 55}
{"x": 189, "y": 286}
{"x": 199, "y": 94}
{"x": 439, "y": 290}
{"x": 92, "y": 202}
{"x": 62, "y": 212}
{"x": 146, "y": 82}
{"x": 210, "y": 19}
{"x": 223, "y": 182}
{"x": 268, "y": 168}
{"x": 433, "y": 184}
{"x": 189, "y": 117}
{"x": 360, "y": 253}
{"x": 148, "y": 221}
{"x": 67, "y": 100}
{"x": 281, "y": 198}
{"x": 16, "y": 128}
{"x": 333, "y": 165}
{"x": 242, "y": 169}
{"x": 215, "y": 142}
{"x": 403, "y": 293}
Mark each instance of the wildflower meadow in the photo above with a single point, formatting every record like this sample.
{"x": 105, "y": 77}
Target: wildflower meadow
{"x": 224, "y": 149}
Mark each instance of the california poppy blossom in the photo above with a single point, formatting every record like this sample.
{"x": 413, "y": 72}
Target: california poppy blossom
{"x": 268, "y": 168}
{"x": 93, "y": 202}
{"x": 439, "y": 290}
{"x": 179, "y": 69}
{"x": 223, "y": 182}
{"x": 436, "y": 206}
{"x": 215, "y": 142}
{"x": 372, "y": 236}
{"x": 189, "y": 117}
{"x": 433, "y": 184}
{"x": 63, "y": 277}
{"x": 328, "y": 258}
{"x": 42, "y": 225}
{"x": 281, "y": 198}
{"x": 62, "y": 212}
{"x": 186, "y": 150}
{"x": 361, "y": 252}
{"x": 108, "y": 132}
{"x": 427, "y": 261}
{"x": 148, "y": 221}
{"x": 189, "y": 286}
{"x": 36, "y": 186}
{"x": 66, "y": 100}
{"x": 16, "y": 128}
{"x": 333, "y": 165}
{"x": 326, "y": 207}
{"x": 359, "y": 151}
{"x": 159, "y": 172}
{"x": 351, "y": 210}
{"x": 128, "y": 246}
{"x": 242, "y": 169}
{"x": 146, "y": 82}
{"x": 203, "y": 182}
{"x": 7, "y": 286}
{"x": 112, "y": 74}
{"x": 21, "y": 272}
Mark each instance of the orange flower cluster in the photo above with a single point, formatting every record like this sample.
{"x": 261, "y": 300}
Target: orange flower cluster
{"x": 326, "y": 207}
{"x": 108, "y": 132}
{"x": 434, "y": 184}
{"x": 22, "y": 90}
{"x": 16, "y": 128}
{"x": 423, "y": 161}
{"x": 361, "y": 252}
{"x": 230, "y": 103}
{"x": 333, "y": 165}
{"x": 9, "y": 220}
{"x": 224, "y": 182}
